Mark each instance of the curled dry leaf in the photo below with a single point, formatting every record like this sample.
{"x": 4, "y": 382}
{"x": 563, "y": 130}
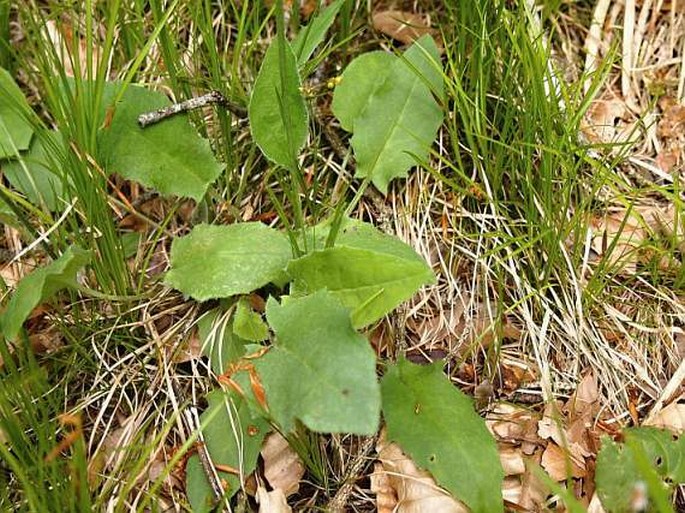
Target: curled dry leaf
{"x": 621, "y": 236}
{"x": 605, "y": 122}
{"x": 473, "y": 325}
{"x": 414, "y": 490}
{"x": 405, "y": 27}
{"x": 558, "y": 463}
{"x": 272, "y": 502}
{"x": 672, "y": 417}
{"x": 512, "y": 460}
{"x": 283, "y": 468}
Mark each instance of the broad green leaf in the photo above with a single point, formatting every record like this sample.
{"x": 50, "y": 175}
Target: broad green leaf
{"x": 33, "y": 172}
{"x": 311, "y": 36}
{"x": 277, "y": 111}
{"x": 41, "y": 285}
{"x": 169, "y": 156}
{"x": 619, "y": 474}
{"x": 233, "y": 437}
{"x": 15, "y": 130}
{"x": 320, "y": 370}
{"x": 360, "y": 80}
{"x": 402, "y": 118}
{"x": 369, "y": 272}
{"x": 435, "y": 423}
{"x": 222, "y": 261}
{"x": 219, "y": 343}
{"x": 248, "y": 324}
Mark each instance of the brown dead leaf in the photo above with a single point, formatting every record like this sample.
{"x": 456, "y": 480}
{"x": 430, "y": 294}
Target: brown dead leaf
{"x": 283, "y": 468}
{"x": 606, "y": 122}
{"x": 416, "y": 491}
{"x": 386, "y": 498}
{"x": 405, "y": 27}
{"x": 595, "y": 505}
{"x": 272, "y": 502}
{"x": 513, "y": 424}
{"x": 533, "y": 491}
{"x": 672, "y": 417}
{"x": 672, "y": 123}
{"x": 557, "y": 462}
{"x": 620, "y": 235}
{"x": 584, "y": 401}
{"x": 190, "y": 349}
{"x": 512, "y": 460}
{"x": 473, "y": 325}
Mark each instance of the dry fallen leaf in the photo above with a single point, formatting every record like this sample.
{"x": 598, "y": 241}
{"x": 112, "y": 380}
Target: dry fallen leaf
{"x": 605, "y": 122}
{"x": 625, "y": 235}
{"x": 283, "y": 468}
{"x": 272, "y": 502}
{"x": 672, "y": 417}
{"x": 386, "y": 498}
{"x": 415, "y": 490}
{"x": 557, "y": 463}
{"x": 405, "y": 27}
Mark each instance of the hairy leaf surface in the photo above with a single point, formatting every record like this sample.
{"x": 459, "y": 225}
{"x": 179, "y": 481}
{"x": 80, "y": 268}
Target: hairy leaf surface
{"x": 402, "y": 117}
{"x": 369, "y": 272}
{"x": 222, "y": 261}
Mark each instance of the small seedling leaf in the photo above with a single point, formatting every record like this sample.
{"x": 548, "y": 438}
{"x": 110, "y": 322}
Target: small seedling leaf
{"x": 360, "y": 80}
{"x": 320, "y": 370}
{"x": 369, "y": 272}
{"x": 41, "y": 285}
{"x": 402, "y": 118}
{"x": 277, "y": 111}
{"x": 15, "y": 130}
{"x": 312, "y": 35}
{"x": 233, "y": 437}
{"x": 248, "y": 324}
{"x": 435, "y": 423}
{"x": 222, "y": 261}
{"x": 170, "y": 156}
{"x": 33, "y": 174}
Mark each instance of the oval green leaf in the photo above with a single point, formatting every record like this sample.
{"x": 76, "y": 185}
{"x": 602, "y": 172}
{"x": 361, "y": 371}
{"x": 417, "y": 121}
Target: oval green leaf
{"x": 15, "y": 130}
{"x": 402, "y": 118}
{"x": 33, "y": 173}
{"x": 169, "y": 156}
{"x": 41, "y": 285}
{"x": 222, "y": 261}
{"x": 435, "y": 423}
{"x": 277, "y": 111}
{"x": 371, "y": 273}
{"x": 359, "y": 81}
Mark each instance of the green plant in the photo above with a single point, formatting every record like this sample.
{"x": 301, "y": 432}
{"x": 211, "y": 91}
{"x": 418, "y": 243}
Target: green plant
{"x": 643, "y": 470}
{"x": 316, "y": 371}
